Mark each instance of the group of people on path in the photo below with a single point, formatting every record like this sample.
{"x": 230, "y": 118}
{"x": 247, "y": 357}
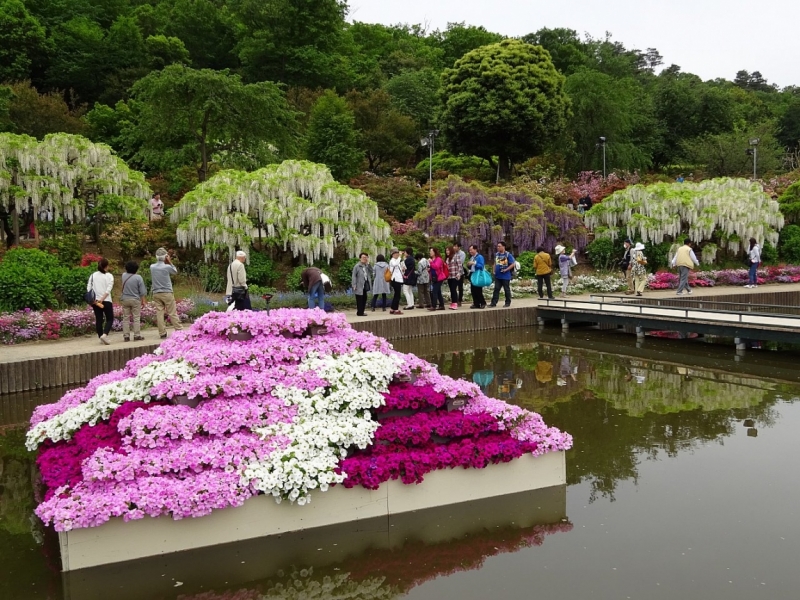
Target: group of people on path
{"x": 133, "y": 297}
{"x": 634, "y": 264}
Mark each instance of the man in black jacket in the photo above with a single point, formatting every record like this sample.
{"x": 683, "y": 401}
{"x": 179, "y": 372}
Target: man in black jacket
{"x": 409, "y": 277}
{"x": 627, "y": 266}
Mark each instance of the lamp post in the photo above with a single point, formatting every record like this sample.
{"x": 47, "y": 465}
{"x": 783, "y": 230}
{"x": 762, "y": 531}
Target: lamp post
{"x": 428, "y": 141}
{"x": 754, "y": 153}
{"x": 601, "y": 143}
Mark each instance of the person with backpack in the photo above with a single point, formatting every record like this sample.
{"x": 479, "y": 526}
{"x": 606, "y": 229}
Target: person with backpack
{"x": 380, "y": 285}
{"x": 543, "y": 266}
{"x": 439, "y": 273}
{"x": 409, "y": 277}
{"x": 503, "y": 271}
{"x": 133, "y": 299}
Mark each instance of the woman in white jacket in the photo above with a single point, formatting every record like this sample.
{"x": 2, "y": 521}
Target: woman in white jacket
{"x": 753, "y": 260}
{"x": 101, "y": 282}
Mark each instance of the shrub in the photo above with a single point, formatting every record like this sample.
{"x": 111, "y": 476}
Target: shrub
{"x": 24, "y": 287}
{"x": 526, "y": 264}
{"x": 657, "y": 256}
{"x": 209, "y": 275}
{"x": 69, "y": 285}
{"x": 769, "y": 254}
{"x": 87, "y": 260}
{"x": 39, "y": 261}
{"x": 293, "y": 278}
{"x": 789, "y": 243}
{"x": 261, "y": 270}
{"x": 604, "y": 253}
{"x": 67, "y": 248}
{"x": 344, "y": 276}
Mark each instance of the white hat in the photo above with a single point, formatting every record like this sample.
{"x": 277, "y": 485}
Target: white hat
{"x": 639, "y": 246}
{"x": 560, "y": 249}
{"x": 241, "y": 254}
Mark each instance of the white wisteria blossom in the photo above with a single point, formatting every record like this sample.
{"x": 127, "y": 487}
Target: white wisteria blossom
{"x": 106, "y": 399}
{"x": 329, "y": 420}
{"x": 728, "y": 210}
{"x": 296, "y": 204}
{"x": 303, "y": 585}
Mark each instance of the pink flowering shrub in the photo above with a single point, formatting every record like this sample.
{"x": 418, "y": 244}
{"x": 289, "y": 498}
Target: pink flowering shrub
{"x": 282, "y": 413}
{"x": 666, "y": 280}
{"x": 29, "y": 325}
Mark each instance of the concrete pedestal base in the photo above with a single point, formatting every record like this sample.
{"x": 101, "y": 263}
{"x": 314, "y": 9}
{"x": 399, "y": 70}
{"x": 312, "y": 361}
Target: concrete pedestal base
{"x": 117, "y": 541}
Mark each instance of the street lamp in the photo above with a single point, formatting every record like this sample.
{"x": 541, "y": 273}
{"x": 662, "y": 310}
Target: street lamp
{"x": 754, "y": 153}
{"x": 601, "y": 143}
{"x": 428, "y": 141}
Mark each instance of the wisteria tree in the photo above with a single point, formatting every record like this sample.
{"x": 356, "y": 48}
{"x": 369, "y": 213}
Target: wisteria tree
{"x": 474, "y": 214}
{"x": 721, "y": 212}
{"x": 296, "y": 204}
{"x": 69, "y": 176}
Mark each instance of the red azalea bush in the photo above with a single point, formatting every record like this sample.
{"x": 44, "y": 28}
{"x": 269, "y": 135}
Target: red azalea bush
{"x": 90, "y": 259}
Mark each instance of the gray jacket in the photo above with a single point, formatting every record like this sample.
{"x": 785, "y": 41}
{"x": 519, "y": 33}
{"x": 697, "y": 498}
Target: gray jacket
{"x": 160, "y": 273}
{"x": 360, "y": 280}
{"x": 133, "y": 287}
{"x": 379, "y": 284}
{"x": 423, "y": 273}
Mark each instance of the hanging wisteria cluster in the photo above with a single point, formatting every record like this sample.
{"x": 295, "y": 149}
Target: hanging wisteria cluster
{"x": 65, "y": 173}
{"x": 478, "y": 215}
{"x": 297, "y": 204}
{"x": 729, "y": 211}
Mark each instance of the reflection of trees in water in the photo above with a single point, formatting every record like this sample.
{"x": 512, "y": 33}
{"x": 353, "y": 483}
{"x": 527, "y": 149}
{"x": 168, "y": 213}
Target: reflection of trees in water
{"x": 616, "y": 420}
{"x": 16, "y": 476}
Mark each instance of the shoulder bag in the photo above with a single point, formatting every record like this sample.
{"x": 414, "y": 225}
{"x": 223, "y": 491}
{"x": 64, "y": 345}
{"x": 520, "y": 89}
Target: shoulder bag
{"x": 238, "y": 292}
{"x": 481, "y": 279}
{"x": 90, "y": 297}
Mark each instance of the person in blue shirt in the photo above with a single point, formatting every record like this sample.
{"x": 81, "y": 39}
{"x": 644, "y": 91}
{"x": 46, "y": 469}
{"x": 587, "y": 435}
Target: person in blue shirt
{"x": 476, "y": 263}
{"x": 503, "y": 269}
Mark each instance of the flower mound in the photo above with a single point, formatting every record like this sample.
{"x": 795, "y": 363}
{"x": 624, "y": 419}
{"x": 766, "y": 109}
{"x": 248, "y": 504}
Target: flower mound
{"x": 286, "y": 413}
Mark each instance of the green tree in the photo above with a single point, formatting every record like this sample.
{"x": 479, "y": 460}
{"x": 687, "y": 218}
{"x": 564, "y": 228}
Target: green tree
{"x": 459, "y": 38}
{"x": 726, "y": 153}
{"x": 566, "y": 49}
{"x": 297, "y": 42}
{"x": 207, "y": 30}
{"x": 296, "y": 205}
{"x": 191, "y": 116}
{"x": 79, "y": 59}
{"x": 23, "y": 42}
{"x": 163, "y": 51}
{"x": 36, "y": 114}
{"x": 415, "y": 94}
{"x": 505, "y": 100}
{"x": 789, "y": 125}
{"x": 387, "y": 136}
{"x": 331, "y": 138}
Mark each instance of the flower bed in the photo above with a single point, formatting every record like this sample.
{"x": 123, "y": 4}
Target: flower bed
{"x": 665, "y": 280}
{"x": 278, "y": 414}
{"x": 29, "y": 325}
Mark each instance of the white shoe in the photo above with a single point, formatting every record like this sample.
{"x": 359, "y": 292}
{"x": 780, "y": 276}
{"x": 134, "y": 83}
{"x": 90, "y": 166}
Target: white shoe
{"x": 104, "y": 339}
{"x": 678, "y": 293}
{"x": 690, "y": 291}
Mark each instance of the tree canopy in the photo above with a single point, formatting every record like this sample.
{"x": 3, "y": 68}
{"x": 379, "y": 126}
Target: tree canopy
{"x": 505, "y": 100}
{"x": 296, "y": 204}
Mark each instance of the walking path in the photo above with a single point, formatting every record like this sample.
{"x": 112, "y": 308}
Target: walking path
{"x": 89, "y": 344}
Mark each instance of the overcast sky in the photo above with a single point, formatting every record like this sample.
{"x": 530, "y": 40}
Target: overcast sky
{"x": 711, "y": 38}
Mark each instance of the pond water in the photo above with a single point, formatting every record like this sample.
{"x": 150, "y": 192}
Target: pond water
{"x": 683, "y": 483}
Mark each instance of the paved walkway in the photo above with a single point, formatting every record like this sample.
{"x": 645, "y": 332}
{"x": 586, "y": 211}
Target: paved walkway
{"x": 90, "y": 343}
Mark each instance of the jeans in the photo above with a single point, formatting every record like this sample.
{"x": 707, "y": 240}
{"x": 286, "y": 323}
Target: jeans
{"x": 397, "y": 288}
{"x": 460, "y": 289}
{"x": 132, "y": 307}
{"x": 683, "y": 282}
{"x": 165, "y": 303}
{"x": 316, "y": 295}
{"x": 375, "y": 300}
{"x": 361, "y": 304}
{"x": 564, "y": 284}
{"x": 753, "y": 274}
{"x": 540, "y": 279}
{"x": 477, "y": 296}
{"x": 107, "y": 313}
{"x": 506, "y": 285}
{"x": 436, "y": 294}
{"x": 453, "y": 285}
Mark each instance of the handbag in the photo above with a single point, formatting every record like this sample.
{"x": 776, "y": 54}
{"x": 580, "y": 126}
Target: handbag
{"x": 90, "y": 297}
{"x": 481, "y": 279}
{"x": 238, "y": 292}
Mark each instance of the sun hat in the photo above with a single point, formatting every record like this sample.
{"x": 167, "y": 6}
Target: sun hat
{"x": 639, "y": 246}
{"x": 560, "y": 249}
{"x": 394, "y": 251}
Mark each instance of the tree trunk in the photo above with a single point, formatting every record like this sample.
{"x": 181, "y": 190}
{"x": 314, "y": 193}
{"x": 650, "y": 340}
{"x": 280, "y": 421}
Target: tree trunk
{"x": 203, "y": 172}
{"x": 505, "y": 167}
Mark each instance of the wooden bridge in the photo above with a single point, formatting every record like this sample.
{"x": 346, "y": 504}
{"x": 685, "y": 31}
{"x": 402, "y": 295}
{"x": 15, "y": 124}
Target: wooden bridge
{"x": 741, "y": 317}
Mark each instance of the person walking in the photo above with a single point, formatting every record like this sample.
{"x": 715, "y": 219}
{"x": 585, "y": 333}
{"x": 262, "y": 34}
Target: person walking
{"x": 543, "y": 266}
{"x": 462, "y": 259}
{"x": 685, "y": 260}
{"x": 101, "y": 282}
{"x": 380, "y": 287}
{"x": 564, "y": 267}
{"x": 361, "y": 283}
{"x": 423, "y": 281}
{"x": 626, "y": 264}
{"x": 163, "y": 296}
{"x": 639, "y": 269}
{"x": 476, "y": 263}
{"x": 396, "y": 269}
{"x": 311, "y": 280}
{"x": 754, "y": 260}
{"x": 236, "y": 287}
{"x": 133, "y": 298}
{"x": 455, "y": 267}
{"x": 409, "y": 277}
{"x": 438, "y": 271}
{"x": 503, "y": 269}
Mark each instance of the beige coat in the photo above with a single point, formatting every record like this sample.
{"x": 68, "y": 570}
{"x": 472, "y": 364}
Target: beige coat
{"x": 237, "y": 276}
